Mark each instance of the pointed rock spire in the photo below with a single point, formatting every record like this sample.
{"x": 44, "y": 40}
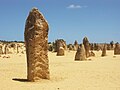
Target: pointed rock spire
{"x": 80, "y": 54}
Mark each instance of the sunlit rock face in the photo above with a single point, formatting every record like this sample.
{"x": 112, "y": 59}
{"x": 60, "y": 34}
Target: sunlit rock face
{"x": 80, "y": 54}
{"x": 60, "y": 51}
{"x": 36, "y": 41}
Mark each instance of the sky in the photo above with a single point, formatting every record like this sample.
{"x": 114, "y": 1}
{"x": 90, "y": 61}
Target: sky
{"x": 70, "y": 20}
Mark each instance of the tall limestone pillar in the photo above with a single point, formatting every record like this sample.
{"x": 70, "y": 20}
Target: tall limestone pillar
{"x": 87, "y": 46}
{"x": 117, "y": 49}
{"x": 36, "y": 40}
{"x": 104, "y": 50}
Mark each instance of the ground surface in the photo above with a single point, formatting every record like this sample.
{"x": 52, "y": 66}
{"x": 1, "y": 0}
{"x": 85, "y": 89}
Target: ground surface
{"x": 101, "y": 73}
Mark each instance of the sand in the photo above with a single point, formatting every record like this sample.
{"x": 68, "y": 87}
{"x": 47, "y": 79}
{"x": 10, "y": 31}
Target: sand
{"x": 100, "y": 73}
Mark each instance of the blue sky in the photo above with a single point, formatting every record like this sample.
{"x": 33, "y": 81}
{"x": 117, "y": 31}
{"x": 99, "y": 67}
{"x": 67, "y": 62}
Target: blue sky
{"x": 70, "y": 20}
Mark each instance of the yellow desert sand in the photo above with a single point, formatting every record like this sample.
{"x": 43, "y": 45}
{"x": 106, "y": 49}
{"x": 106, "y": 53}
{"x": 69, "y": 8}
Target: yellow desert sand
{"x": 98, "y": 73}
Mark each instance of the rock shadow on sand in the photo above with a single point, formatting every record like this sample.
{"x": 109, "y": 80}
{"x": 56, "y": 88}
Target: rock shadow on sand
{"x": 20, "y": 80}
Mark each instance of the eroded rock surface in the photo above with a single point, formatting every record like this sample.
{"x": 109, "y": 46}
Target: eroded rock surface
{"x": 80, "y": 54}
{"x": 36, "y": 40}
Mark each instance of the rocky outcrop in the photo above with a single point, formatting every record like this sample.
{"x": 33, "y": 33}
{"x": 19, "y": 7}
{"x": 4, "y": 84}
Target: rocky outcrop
{"x": 60, "y": 51}
{"x": 60, "y": 43}
{"x": 60, "y": 47}
{"x": 36, "y": 40}
{"x": 109, "y": 47}
{"x": 80, "y": 54}
{"x": 6, "y": 51}
{"x": 104, "y": 51}
{"x": 12, "y": 48}
{"x": 76, "y": 45}
{"x": 1, "y": 52}
{"x": 117, "y": 49}
{"x": 70, "y": 46}
{"x": 87, "y": 46}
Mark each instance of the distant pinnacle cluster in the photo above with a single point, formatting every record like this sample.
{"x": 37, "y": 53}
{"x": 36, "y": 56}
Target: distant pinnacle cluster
{"x": 12, "y": 48}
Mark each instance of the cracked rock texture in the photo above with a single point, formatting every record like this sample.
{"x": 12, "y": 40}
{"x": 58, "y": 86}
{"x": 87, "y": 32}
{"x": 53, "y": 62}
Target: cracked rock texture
{"x": 36, "y": 41}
